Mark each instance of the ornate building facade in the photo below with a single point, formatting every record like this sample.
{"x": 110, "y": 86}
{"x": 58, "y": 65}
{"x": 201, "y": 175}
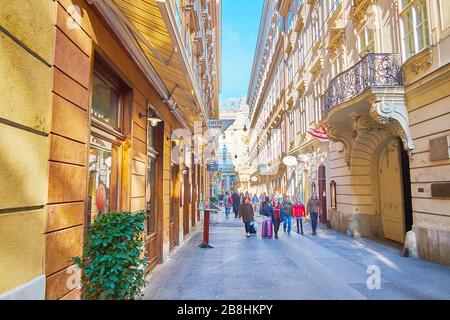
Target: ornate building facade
{"x": 95, "y": 96}
{"x": 375, "y": 74}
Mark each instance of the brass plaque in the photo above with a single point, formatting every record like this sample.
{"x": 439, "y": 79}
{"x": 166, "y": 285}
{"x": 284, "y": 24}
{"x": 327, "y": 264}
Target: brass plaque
{"x": 440, "y": 190}
{"x": 440, "y": 148}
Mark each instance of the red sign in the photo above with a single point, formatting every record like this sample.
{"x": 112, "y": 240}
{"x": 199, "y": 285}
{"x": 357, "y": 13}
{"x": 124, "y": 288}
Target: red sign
{"x": 100, "y": 199}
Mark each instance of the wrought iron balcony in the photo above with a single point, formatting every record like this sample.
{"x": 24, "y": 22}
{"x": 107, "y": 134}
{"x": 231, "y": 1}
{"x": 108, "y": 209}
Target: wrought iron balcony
{"x": 374, "y": 70}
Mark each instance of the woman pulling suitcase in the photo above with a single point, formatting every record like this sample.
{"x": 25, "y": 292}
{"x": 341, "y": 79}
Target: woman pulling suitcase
{"x": 268, "y": 215}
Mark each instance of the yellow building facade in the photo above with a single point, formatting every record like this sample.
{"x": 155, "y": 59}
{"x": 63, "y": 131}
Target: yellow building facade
{"x": 78, "y": 81}
{"x": 375, "y": 75}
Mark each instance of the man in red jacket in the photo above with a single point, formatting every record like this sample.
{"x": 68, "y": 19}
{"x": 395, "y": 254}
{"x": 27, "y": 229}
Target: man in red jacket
{"x": 298, "y": 212}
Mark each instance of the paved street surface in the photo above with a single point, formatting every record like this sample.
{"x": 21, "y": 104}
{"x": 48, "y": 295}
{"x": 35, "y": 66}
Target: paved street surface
{"x": 330, "y": 265}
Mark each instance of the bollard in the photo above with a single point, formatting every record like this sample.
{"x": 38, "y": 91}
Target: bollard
{"x": 205, "y": 244}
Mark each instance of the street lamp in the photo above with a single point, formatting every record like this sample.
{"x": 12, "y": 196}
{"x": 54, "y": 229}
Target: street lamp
{"x": 290, "y": 161}
{"x": 151, "y": 116}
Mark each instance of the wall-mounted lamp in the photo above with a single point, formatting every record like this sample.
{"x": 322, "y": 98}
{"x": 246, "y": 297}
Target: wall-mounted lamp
{"x": 151, "y": 117}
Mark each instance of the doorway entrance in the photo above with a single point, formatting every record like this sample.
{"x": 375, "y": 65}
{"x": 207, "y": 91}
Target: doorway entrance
{"x": 395, "y": 191}
{"x": 322, "y": 195}
{"x": 174, "y": 205}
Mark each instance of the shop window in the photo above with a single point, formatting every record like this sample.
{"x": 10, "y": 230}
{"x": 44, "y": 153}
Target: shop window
{"x": 103, "y": 178}
{"x": 151, "y": 196}
{"x": 333, "y": 194}
{"x": 110, "y": 96}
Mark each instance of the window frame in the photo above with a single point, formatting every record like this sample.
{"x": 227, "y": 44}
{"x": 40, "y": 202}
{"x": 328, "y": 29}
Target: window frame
{"x": 403, "y": 11}
{"x": 106, "y": 73}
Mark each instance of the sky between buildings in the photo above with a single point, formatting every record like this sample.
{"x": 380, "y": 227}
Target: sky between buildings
{"x": 240, "y": 25}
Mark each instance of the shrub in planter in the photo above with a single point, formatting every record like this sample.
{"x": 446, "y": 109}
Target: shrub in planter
{"x": 114, "y": 259}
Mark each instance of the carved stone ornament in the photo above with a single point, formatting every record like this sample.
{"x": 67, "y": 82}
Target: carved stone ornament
{"x": 338, "y": 135}
{"x": 360, "y": 12}
{"x": 336, "y": 42}
{"x": 396, "y": 115}
{"x": 418, "y": 62}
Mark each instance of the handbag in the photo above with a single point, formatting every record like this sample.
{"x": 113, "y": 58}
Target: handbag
{"x": 253, "y": 227}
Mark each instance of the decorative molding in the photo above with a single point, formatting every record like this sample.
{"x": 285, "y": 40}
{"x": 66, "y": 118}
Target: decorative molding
{"x": 418, "y": 62}
{"x": 396, "y": 114}
{"x": 336, "y": 41}
{"x": 289, "y": 47}
{"x": 300, "y": 22}
{"x": 359, "y": 12}
{"x": 316, "y": 68}
{"x": 340, "y": 135}
{"x": 301, "y": 88}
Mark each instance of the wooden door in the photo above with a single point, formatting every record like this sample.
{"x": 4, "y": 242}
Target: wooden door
{"x": 391, "y": 192}
{"x": 322, "y": 195}
{"x": 186, "y": 207}
{"x": 174, "y": 206}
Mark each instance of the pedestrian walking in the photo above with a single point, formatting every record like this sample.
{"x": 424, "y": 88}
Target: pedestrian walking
{"x": 287, "y": 217}
{"x": 255, "y": 202}
{"x": 278, "y": 214}
{"x": 227, "y": 202}
{"x": 298, "y": 212}
{"x": 236, "y": 203}
{"x": 247, "y": 214}
{"x": 313, "y": 209}
{"x": 268, "y": 216}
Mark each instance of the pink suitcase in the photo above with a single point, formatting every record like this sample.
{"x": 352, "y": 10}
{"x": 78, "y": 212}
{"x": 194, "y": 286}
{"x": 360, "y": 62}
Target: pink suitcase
{"x": 266, "y": 230}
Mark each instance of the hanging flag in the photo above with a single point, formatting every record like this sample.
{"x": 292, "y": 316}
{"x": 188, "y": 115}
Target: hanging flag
{"x": 320, "y": 134}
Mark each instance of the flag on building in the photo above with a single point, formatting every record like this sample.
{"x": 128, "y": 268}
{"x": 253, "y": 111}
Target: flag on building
{"x": 320, "y": 134}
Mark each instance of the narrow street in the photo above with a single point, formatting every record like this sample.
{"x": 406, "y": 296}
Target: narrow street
{"x": 328, "y": 266}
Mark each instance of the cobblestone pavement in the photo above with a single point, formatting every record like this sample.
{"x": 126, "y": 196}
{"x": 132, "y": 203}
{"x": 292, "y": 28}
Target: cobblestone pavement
{"x": 330, "y": 265}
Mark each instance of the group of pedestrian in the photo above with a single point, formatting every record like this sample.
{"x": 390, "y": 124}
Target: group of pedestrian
{"x": 275, "y": 210}
{"x": 231, "y": 201}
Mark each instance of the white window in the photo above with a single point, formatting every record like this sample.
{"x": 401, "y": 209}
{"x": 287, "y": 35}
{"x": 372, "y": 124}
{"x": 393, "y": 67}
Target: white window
{"x": 338, "y": 64}
{"x": 291, "y": 126}
{"x": 317, "y": 99}
{"x": 332, "y": 5}
{"x": 415, "y": 26}
{"x": 366, "y": 41}
{"x": 315, "y": 28}
{"x": 302, "y": 109}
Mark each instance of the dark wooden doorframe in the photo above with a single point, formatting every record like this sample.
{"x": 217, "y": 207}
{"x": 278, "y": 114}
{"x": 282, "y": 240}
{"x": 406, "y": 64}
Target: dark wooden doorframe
{"x": 186, "y": 222}
{"x": 407, "y": 194}
{"x": 174, "y": 207}
{"x": 322, "y": 195}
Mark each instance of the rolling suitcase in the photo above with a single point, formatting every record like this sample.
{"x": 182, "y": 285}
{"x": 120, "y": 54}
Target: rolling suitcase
{"x": 266, "y": 230}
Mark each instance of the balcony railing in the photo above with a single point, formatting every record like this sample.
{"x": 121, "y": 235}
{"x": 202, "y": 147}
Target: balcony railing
{"x": 374, "y": 70}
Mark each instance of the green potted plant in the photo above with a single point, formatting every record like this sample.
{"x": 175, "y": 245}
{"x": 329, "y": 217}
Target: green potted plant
{"x": 114, "y": 260}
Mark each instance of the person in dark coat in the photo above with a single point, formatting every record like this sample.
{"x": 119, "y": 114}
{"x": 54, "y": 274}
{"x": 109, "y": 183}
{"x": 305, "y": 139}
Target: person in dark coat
{"x": 236, "y": 203}
{"x": 247, "y": 214}
{"x": 313, "y": 209}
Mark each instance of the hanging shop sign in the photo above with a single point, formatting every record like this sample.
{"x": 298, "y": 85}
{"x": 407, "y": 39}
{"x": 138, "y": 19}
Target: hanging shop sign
{"x": 218, "y": 126}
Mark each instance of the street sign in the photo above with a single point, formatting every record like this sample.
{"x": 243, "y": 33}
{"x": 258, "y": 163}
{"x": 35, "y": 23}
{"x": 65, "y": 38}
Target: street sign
{"x": 222, "y": 124}
{"x": 212, "y": 166}
{"x": 217, "y": 127}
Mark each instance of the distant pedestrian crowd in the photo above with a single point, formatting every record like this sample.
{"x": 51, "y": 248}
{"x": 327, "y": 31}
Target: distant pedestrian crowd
{"x": 275, "y": 210}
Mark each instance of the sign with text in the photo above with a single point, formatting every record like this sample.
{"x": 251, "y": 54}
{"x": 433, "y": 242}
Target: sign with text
{"x": 212, "y": 166}
{"x": 219, "y": 126}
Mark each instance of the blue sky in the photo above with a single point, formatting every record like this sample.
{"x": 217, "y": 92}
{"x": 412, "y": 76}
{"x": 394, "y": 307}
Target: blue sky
{"x": 240, "y": 24}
